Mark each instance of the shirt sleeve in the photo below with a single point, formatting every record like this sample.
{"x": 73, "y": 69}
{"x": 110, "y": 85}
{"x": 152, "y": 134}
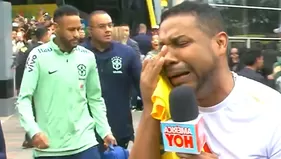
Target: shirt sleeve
{"x": 278, "y": 84}
{"x": 96, "y": 102}
{"x": 135, "y": 71}
{"x": 27, "y": 89}
{"x": 274, "y": 146}
{"x": 2, "y": 143}
{"x": 135, "y": 46}
{"x": 21, "y": 58}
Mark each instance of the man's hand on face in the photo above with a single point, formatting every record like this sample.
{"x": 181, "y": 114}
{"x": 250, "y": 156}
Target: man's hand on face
{"x": 150, "y": 74}
{"x": 203, "y": 155}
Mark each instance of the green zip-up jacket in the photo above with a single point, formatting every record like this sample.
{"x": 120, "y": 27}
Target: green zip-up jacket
{"x": 62, "y": 85}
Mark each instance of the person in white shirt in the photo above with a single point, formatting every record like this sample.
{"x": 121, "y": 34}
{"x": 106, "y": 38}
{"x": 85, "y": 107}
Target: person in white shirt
{"x": 242, "y": 117}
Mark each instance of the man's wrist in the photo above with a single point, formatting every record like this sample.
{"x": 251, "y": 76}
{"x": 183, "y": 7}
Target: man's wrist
{"x": 147, "y": 112}
{"x": 147, "y": 106}
{"x": 33, "y": 133}
{"x": 106, "y": 134}
{"x": 146, "y": 115}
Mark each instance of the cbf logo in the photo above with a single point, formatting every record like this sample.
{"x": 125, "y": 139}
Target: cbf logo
{"x": 81, "y": 71}
{"x": 116, "y": 64}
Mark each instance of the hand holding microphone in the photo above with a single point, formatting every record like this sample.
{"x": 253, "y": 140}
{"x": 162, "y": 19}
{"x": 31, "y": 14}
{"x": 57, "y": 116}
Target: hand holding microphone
{"x": 184, "y": 134}
{"x": 203, "y": 155}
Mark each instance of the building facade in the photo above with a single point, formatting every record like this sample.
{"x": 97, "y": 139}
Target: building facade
{"x": 250, "y": 23}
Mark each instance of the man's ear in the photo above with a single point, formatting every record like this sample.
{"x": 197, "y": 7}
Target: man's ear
{"x": 222, "y": 39}
{"x": 221, "y": 42}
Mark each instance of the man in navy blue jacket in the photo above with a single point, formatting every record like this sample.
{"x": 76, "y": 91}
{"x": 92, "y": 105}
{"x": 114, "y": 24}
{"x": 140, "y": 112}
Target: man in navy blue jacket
{"x": 130, "y": 42}
{"x": 143, "y": 39}
{"x": 2, "y": 144}
{"x": 135, "y": 46}
{"x": 119, "y": 69}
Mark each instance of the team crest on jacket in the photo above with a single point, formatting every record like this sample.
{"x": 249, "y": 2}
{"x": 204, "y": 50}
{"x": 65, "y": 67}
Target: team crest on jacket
{"x": 116, "y": 64}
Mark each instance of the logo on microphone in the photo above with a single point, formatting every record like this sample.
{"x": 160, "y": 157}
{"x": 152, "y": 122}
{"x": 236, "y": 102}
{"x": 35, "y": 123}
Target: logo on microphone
{"x": 184, "y": 137}
{"x": 178, "y": 136}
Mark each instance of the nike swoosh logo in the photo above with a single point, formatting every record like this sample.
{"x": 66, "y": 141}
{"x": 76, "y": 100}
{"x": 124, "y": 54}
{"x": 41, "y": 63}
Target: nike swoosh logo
{"x": 51, "y": 72}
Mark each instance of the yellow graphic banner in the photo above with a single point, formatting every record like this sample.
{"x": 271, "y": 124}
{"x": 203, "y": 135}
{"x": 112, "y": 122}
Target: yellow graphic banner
{"x": 32, "y": 10}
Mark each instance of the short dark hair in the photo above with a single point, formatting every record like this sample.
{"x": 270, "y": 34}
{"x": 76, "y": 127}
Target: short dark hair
{"x": 48, "y": 24}
{"x": 142, "y": 26}
{"x": 209, "y": 19}
{"x": 249, "y": 58}
{"x": 96, "y": 12}
{"x": 40, "y": 31}
{"x": 65, "y": 10}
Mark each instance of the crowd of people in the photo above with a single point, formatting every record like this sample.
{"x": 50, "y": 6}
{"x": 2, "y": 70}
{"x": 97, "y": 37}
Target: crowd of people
{"x": 24, "y": 30}
{"x": 257, "y": 64}
{"x": 118, "y": 58}
{"x": 76, "y": 83}
{"x": 29, "y": 33}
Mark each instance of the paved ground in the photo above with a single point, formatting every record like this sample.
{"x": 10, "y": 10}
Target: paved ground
{"x": 14, "y": 135}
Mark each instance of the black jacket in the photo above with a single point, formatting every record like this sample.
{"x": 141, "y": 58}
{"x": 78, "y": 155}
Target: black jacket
{"x": 2, "y": 144}
{"x": 21, "y": 61}
{"x": 135, "y": 46}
